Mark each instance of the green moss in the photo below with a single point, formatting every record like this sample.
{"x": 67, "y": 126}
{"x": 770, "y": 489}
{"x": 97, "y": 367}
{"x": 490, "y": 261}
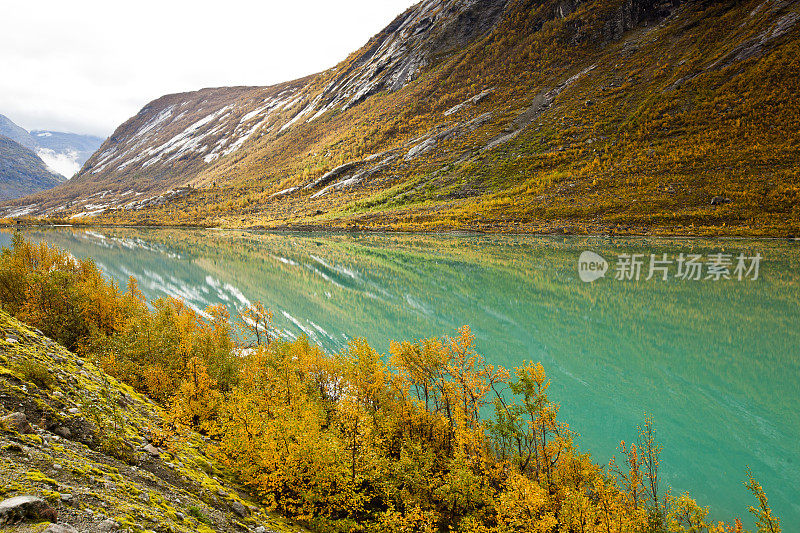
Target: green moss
{"x": 27, "y": 528}
{"x": 197, "y": 514}
{"x": 51, "y": 496}
{"x": 86, "y": 470}
{"x": 34, "y": 439}
{"x": 204, "y": 465}
{"x": 38, "y": 477}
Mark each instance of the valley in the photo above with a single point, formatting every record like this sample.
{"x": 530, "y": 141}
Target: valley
{"x": 494, "y": 116}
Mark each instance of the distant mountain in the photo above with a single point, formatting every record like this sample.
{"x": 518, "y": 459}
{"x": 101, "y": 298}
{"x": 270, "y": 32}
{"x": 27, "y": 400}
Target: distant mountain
{"x": 22, "y": 172}
{"x": 17, "y": 134}
{"x": 65, "y": 153}
{"x": 672, "y": 116}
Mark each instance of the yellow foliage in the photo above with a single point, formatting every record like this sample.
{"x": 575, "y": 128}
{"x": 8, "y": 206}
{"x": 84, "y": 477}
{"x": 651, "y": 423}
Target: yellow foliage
{"x": 524, "y": 507}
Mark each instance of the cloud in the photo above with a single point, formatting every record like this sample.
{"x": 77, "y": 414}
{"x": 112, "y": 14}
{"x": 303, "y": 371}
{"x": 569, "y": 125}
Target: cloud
{"x": 65, "y": 164}
{"x": 87, "y": 66}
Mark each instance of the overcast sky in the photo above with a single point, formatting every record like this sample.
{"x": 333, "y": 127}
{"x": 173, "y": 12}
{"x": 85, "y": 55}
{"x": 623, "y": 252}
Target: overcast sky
{"x": 85, "y": 66}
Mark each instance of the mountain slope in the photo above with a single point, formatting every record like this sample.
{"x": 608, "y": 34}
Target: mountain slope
{"x": 22, "y": 172}
{"x": 16, "y": 133}
{"x": 601, "y": 115}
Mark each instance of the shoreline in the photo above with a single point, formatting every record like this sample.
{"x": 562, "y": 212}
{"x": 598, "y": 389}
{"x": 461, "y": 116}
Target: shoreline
{"x": 538, "y": 231}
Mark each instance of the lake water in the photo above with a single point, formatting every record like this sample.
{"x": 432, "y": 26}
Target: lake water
{"x": 715, "y": 362}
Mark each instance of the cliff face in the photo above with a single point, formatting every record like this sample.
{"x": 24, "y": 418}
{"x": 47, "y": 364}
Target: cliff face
{"x": 394, "y": 57}
{"x": 483, "y": 113}
{"x": 77, "y": 447}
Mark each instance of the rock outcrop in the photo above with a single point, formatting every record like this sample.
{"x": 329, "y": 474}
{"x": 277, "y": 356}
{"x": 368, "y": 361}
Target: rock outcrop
{"x": 25, "y": 508}
{"x": 18, "y": 422}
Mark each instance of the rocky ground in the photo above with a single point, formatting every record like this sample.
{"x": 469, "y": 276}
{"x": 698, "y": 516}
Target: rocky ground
{"x": 80, "y": 451}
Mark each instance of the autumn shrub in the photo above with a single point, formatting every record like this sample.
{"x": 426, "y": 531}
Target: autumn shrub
{"x": 71, "y": 301}
{"x": 36, "y": 373}
{"x": 354, "y": 442}
{"x": 153, "y": 349}
{"x": 68, "y": 299}
{"x": 351, "y": 443}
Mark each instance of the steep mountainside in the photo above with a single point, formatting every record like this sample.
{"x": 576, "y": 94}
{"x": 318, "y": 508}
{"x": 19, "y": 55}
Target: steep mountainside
{"x": 22, "y": 172}
{"x": 529, "y": 115}
{"x": 16, "y": 133}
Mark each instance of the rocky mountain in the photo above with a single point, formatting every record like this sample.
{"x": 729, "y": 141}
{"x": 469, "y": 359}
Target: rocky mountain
{"x": 22, "y": 172}
{"x": 496, "y": 115}
{"x": 16, "y": 133}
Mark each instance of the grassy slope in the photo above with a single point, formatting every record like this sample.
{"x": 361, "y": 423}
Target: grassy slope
{"x": 145, "y": 495}
{"x": 674, "y": 112}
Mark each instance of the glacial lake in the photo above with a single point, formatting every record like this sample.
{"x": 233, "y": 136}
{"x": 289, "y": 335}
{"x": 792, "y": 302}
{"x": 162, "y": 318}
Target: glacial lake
{"x": 716, "y": 362}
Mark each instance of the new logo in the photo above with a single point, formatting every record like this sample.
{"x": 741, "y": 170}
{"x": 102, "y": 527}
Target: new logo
{"x": 591, "y": 266}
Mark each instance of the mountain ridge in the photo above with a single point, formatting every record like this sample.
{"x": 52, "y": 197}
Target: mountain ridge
{"x": 564, "y": 116}
{"x": 16, "y": 133}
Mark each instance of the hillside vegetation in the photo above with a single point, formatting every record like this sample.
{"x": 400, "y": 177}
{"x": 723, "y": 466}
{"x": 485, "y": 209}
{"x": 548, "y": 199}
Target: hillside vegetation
{"x": 349, "y": 442}
{"x": 84, "y": 443}
{"x": 601, "y": 115}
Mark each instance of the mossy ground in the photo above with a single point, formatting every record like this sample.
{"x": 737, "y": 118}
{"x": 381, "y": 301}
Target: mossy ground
{"x": 99, "y": 469}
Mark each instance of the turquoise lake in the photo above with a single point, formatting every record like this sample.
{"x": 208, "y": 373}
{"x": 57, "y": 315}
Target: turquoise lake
{"x": 716, "y": 362}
